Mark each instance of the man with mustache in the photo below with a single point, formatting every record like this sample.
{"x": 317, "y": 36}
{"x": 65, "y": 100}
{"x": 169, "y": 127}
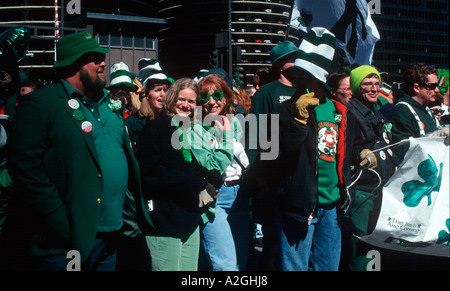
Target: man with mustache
{"x": 77, "y": 180}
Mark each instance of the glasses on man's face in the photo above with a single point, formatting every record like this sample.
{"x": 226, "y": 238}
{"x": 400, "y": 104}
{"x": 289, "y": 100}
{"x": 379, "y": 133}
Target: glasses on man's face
{"x": 430, "y": 86}
{"x": 216, "y": 95}
{"x": 98, "y": 59}
{"x": 371, "y": 85}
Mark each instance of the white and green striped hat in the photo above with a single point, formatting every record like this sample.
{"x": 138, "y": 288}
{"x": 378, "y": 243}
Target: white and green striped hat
{"x": 120, "y": 75}
{"x": 150, "y": 70}
{"x": 316, "y": 53}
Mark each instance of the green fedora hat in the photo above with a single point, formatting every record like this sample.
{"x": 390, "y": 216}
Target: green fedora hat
{"x": 71, "y": 47}
{"x": 283, "y": 49}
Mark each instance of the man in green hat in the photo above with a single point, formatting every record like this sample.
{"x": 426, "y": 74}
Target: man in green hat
{"x": 77, "y": 180}
{"x": 278, "y": 90}
{"x": 369, "y": 160}
{"x": 264, "y": 101}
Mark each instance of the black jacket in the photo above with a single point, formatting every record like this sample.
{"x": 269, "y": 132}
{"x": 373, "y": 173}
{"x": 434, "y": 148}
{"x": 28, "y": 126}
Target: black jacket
{"x": 167, "y": 180}
{"x": 293, "y": 175}
{"x": 369, "y": 132}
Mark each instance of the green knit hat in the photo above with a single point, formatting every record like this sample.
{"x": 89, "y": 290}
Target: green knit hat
{"x": 359, "y": 74}
{"x": 71, "y": 47}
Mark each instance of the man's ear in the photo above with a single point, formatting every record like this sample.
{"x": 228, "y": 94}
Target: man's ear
{"x": 416, "y": 88}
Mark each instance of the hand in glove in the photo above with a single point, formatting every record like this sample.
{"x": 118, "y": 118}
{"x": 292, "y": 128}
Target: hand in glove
{"x": 303, "y": 103}
{"x": 207, "y": 196}
{"x": 368, "y": 159}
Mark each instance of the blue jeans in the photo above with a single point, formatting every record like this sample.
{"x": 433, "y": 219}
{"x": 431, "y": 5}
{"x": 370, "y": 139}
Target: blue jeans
{"x": 315, "y": 247}
{"x": 226, "y": 238}
{"x": 102, "y": 258}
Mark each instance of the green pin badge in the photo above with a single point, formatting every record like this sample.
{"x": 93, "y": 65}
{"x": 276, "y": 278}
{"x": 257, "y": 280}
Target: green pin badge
{"x": 78, "y": 114}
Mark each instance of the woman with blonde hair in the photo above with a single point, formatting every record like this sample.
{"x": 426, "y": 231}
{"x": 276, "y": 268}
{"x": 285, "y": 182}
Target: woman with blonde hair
{"x": 154, "y": 85}
{"x": 173, "y": 182}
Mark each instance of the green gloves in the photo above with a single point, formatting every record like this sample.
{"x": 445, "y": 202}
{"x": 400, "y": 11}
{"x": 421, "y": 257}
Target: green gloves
{"x": 302, "y": 104}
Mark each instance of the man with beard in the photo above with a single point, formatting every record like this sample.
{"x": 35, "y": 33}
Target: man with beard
{"x": 77, "y": 180}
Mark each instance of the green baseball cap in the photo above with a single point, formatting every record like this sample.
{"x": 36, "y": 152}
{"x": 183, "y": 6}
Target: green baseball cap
{"x": 71, "y": 47}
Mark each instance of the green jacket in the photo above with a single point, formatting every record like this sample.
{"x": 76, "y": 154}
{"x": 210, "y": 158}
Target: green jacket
{"x": 405, "y": 124}
{"x": 55, "y": 169}
{"x": 266, "y": 99}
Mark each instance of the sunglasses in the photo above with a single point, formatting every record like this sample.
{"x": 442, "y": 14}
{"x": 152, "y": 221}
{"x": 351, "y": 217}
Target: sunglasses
{"x": 98, "y": 59}
{"x": 95, "y": 58}
{"x": 431, "y": 86}
{"x": 216, "y": 95}
{"x": 437, "y": 111}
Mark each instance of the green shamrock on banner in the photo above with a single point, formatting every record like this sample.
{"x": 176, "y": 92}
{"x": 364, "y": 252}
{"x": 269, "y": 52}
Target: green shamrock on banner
{"x": 415, "y": 190}
{"x": 443, "y": 235}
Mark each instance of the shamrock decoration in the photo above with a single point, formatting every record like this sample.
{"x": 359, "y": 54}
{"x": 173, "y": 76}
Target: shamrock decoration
{"x": 443, "y": 235}
{"x": 115, "y": 105}
{"x": 387, "y": 127}
{"x": 415, "y": 191}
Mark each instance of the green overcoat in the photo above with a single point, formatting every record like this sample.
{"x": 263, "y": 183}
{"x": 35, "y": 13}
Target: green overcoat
{"x": 57, "y": 177}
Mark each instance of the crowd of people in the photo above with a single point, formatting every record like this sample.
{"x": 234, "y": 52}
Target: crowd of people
{"x": 152, "y": 173}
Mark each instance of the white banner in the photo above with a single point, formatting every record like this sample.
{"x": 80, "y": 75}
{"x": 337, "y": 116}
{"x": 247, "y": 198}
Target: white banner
{"x": 348, "y": 20}
{"x": 415, "y": 213}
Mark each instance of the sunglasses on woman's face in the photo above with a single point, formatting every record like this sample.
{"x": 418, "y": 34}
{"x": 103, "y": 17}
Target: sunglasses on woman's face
{"x": 437, "y": 111}
{"x": 216, "y": 95}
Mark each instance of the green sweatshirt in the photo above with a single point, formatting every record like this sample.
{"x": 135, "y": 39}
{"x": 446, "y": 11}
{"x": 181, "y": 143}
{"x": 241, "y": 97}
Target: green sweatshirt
{"x": 404, "y": 123}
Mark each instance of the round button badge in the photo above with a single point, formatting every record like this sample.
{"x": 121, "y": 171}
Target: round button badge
{"x": 74, "y": 104}
{"x": 86, "y": 126}
{"x": 78, "y": 114}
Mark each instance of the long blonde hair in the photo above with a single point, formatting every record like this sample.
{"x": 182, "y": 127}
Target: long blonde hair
{"x": 146, "y": 110}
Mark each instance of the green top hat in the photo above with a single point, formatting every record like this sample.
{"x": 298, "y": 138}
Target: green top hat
{"x": 150, "y": 71}
{"x": 121, "y": 76}
{"x": 283, "y": 49}
{"x": 71, "y": 47}
{"x": 315, "y": 56}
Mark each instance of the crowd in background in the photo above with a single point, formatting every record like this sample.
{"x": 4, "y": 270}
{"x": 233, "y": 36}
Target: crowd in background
{"x": 125, "y": 173}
